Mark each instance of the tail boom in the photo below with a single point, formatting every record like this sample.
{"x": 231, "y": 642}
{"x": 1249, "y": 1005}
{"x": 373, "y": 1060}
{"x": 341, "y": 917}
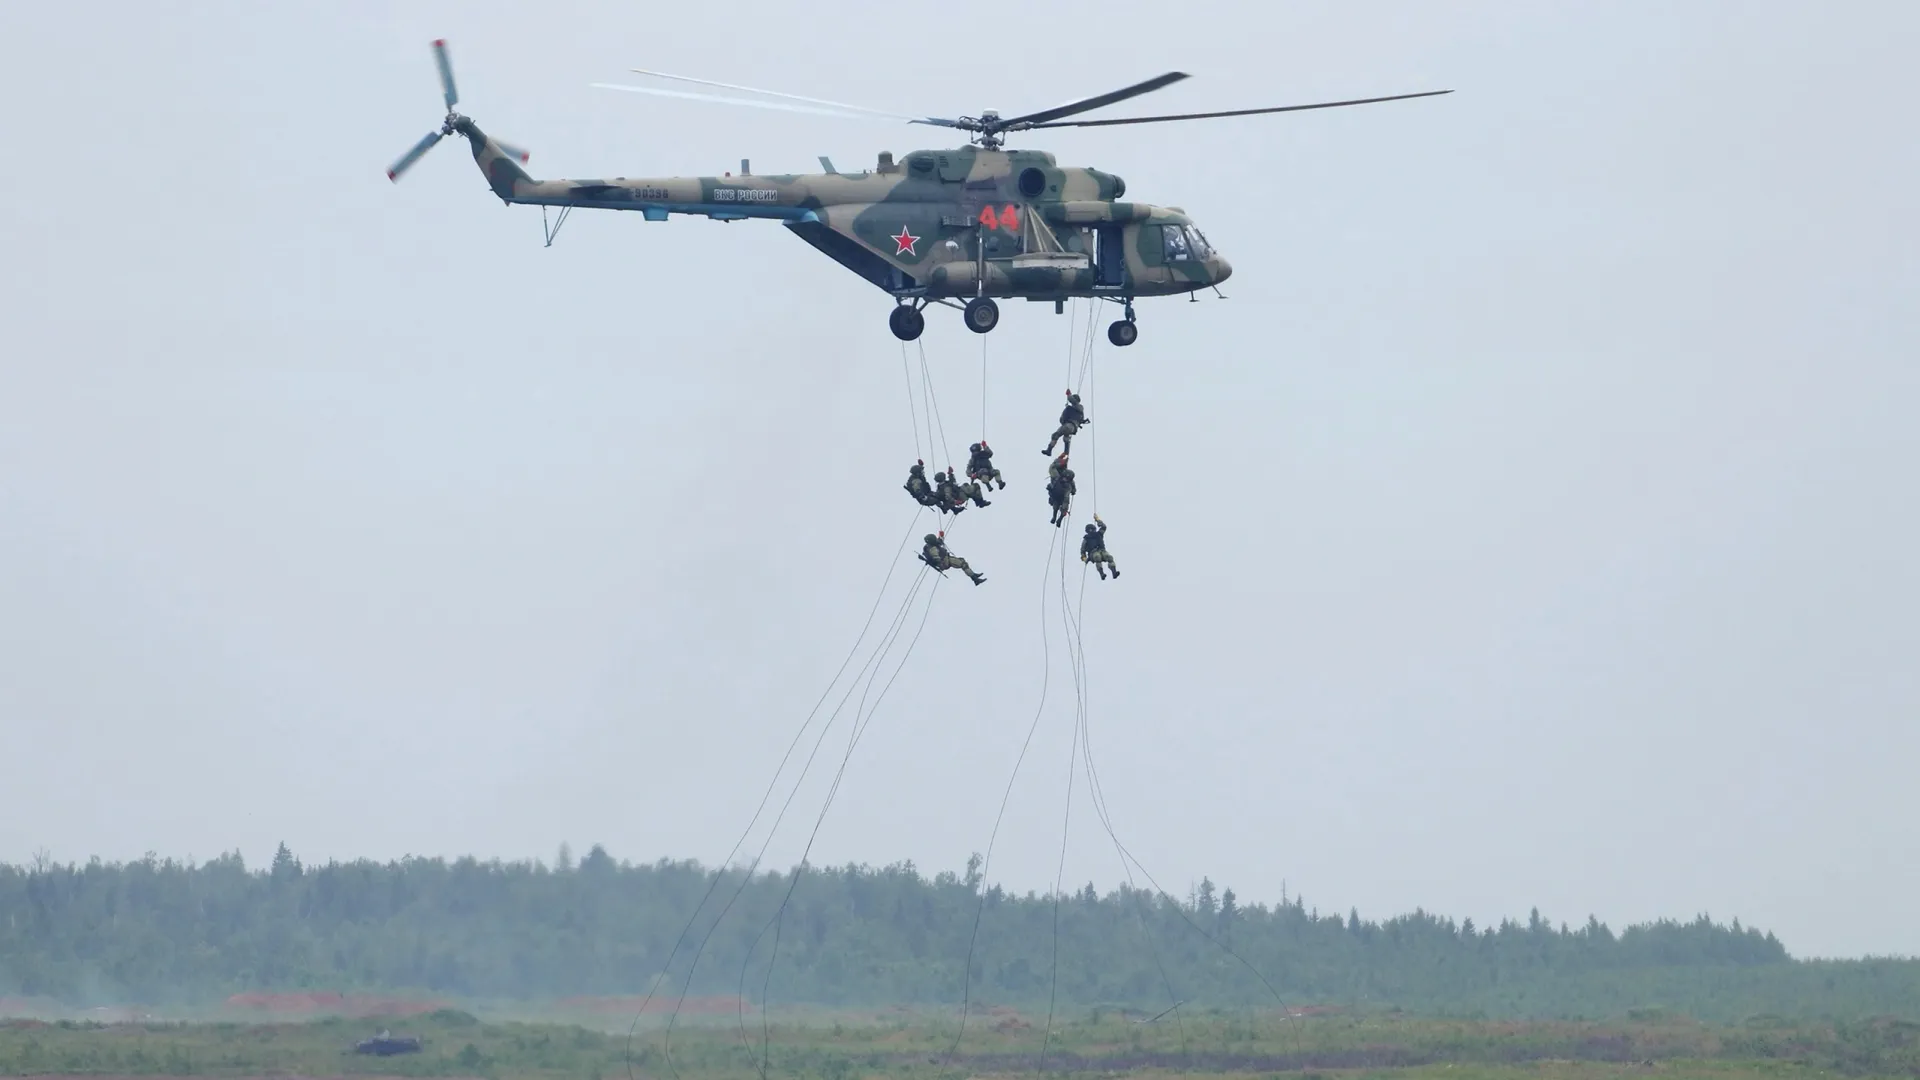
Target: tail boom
{"x": 499, "y": 163}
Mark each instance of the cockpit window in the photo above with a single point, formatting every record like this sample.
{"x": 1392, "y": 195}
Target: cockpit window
{"x": 1201, "y": 249}
{"x": 1176, "y": 242}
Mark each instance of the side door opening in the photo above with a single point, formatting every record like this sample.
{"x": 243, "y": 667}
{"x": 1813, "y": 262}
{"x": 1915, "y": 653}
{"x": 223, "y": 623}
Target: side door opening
{"x": 1110, "y": 256}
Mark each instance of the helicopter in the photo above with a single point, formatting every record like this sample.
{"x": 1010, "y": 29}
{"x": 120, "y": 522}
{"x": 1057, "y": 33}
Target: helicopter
{"x": 960, "y": 227}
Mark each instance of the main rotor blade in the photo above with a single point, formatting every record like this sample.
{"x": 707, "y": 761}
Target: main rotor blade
{"x": 770, "y": 93}
{"x": 406, "y": 160}
{"x": 1236, "y": 112}
{"x": 1086, "y": 104}
{"x": 446, "y": 72}
{"x": 691, "y": 96}
{"x": 513, "y": 151}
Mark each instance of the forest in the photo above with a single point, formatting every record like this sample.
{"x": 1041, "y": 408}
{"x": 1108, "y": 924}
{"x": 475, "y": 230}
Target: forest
{"x": 161, "y": 931}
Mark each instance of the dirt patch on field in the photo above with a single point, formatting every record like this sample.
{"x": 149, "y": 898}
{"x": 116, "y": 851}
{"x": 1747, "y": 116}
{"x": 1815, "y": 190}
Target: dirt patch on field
{"x": 275, "y": 1077}
{"x": 22, "y": 1012}
{"x": 332, "y": 1004}
{"x": 694, "y": 1006}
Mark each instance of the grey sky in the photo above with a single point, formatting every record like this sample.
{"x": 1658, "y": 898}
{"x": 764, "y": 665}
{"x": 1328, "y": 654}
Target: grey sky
{"x": 1533, "y": 525}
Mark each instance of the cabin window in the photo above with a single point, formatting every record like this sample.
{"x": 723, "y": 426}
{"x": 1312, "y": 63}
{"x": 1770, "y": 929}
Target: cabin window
{"x": 1001, "y": 245}
{"x": 1176, "y": 243}
{"x": 1201, "y": 249}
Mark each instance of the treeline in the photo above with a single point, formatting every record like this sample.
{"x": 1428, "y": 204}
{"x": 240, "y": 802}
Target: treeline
{"x": 160, "y": 931}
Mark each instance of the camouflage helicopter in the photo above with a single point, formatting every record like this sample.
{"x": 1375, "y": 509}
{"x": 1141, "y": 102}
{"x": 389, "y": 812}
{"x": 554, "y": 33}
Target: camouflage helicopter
{"x": 962, "y": 227}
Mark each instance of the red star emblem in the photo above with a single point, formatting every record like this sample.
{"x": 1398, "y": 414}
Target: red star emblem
{"x": 906, "y": 240}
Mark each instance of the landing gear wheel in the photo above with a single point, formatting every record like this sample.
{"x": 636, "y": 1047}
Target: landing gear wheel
{"x": 906, "y": 323}
{"x": 982, "y": 314}
{"x": 1123, "y": 332}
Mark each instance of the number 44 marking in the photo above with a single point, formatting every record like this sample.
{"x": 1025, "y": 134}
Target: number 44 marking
{"x": 1008, "y": 218}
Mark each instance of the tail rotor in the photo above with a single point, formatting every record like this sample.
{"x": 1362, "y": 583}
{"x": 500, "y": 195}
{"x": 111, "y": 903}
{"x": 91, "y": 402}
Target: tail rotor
{"x": 452, "y": 124}
{"x": 419, "y": 151}
{"x": 446, "y": 72}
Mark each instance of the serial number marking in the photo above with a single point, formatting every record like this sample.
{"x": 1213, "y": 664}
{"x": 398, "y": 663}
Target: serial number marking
{"x": 651, "y": 194}
{"x": 745, "y": 195}
{"x": 1008, "y": 218}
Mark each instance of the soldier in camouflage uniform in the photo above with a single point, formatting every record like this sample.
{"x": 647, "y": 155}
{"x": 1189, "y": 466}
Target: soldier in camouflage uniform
{"x": 980, "y": 465}
{"x": 1093, "y": 548}
{"x": 949, "y": 498}
{"x": 1071, "y": 418}
{"x": 935, "y": 554}
{"x": 1056, "y": 492}
{"x": 971, "y": 490}
{"x": 1060, "y": 492}
{"x": 918, "y": 487}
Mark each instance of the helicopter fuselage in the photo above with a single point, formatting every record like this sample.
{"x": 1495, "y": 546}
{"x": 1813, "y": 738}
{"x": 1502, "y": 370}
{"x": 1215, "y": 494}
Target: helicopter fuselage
{"x": 939, "y": 224}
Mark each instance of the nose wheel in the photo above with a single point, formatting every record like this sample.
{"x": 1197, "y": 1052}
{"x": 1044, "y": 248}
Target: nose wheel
{"x": 1123, "y": 332}
{"x": 906, "y": 322}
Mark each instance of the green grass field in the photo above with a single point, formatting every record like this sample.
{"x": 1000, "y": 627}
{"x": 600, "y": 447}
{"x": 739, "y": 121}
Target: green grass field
{"x": 998, "y": 1043}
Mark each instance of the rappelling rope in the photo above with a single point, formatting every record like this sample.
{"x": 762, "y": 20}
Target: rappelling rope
{"x": 1053, "y": 976}
{"x": 1093, "y": 447}
{"x": 777, "y": 924}
{"x": 933, "y": 399}
{"x": 1077, "y": 654}
{"x": 1073, "y": 317}
{"x": 913, "y": 413}
{"x": 1086, "y": 348}
{"x": 986, "y": 864}
{"x": 1073, "y": 347}
{"x": 860, "y": 726}
{"x": 720, "y": 871}
{"x": 1075, "y": 632}
{"x": 935, "y": 422}
{"x": 885, "y": 646}
{"x": 1126, "y": 855}
{"x": 1059, "y": 874}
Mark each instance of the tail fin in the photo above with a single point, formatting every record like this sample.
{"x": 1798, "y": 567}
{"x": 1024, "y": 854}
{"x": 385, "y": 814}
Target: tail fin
{"x": 498, "y": 162}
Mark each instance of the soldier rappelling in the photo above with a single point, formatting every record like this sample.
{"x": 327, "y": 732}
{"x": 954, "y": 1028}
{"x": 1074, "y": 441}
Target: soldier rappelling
{"x": 980, "y": 465}
{"x": 918, "y": 487}
{"x": 1071, "y": 419}
{"x": 1060, "y": 492}
{"x": 971, "y": 490}
{"x": 934, "y": 553}
{"x": 1093, "y": 548}
{"x": 950, "y": 499}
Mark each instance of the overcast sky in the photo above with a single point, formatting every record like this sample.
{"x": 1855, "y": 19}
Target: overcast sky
{"x": 1533, "y": 524}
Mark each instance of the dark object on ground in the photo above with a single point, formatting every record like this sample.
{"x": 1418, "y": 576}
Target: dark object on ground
{"x": 386, "y": 1045}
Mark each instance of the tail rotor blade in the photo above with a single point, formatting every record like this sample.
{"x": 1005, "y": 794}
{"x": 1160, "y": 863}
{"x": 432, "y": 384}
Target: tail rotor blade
{"x": 512, "y": 151}
{"x": 406, "y": 161}
{"x": 446, "y": 72}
